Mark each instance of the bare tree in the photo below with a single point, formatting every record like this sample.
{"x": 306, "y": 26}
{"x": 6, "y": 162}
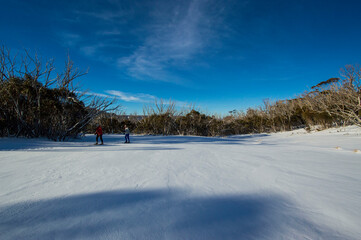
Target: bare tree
{"x": 36, "y": 101}
{"x": 339, "y": 98}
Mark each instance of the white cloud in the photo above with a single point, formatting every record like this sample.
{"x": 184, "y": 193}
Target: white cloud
{"x": 174, "y": 34}
{"x": 175, "y": 39}
{"x": 124, "y": 96}
{"x": 93, "y": 94}
{"x": 129, "y": 97}
{"x": 133, "y": 97}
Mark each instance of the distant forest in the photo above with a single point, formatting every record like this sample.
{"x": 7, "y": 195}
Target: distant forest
{"x": 36, "y": 101}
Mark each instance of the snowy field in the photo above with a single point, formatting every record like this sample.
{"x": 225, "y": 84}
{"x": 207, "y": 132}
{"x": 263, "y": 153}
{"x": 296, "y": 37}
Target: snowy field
{"x": 290, "y": 185}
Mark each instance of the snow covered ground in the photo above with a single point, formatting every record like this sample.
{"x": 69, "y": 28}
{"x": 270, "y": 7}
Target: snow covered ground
{"x": 292, "y": 185}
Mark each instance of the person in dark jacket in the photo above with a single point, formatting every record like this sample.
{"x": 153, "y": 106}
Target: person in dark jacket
{"x": 127, "y": 132}
{"x": 99, "y": 133}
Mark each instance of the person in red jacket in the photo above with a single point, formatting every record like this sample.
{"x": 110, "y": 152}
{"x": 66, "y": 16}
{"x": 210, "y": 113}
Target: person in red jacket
{"x": 99, "y": 133}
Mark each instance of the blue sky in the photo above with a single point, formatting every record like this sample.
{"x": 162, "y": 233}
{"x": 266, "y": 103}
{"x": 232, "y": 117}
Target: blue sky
{"x": 218, "y": 55}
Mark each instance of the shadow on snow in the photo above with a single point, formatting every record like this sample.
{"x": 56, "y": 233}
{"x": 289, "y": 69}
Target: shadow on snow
{"x": 8, "y": 144}
{"x": 158, "y": 214}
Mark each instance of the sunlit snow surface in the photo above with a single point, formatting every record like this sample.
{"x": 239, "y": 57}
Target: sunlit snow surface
{"x": 292, "y": 185}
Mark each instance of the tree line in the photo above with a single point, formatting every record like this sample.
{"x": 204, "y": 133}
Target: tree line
{"x": 330, "y": 103}
{"x": 36, "y": 101}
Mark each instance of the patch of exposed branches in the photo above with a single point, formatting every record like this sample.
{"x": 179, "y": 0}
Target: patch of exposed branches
{"x": 36, "y": 101}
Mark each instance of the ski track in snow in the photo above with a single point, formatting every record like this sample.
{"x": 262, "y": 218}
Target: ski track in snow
{"x": 291, "y": 185}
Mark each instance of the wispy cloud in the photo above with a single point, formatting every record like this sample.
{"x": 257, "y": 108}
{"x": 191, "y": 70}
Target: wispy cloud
{"x": 124, "y": 96}
{"x": 176, "y": 37}
{"x": 69, "y": 39}
{"x": 113, "y": 15}
{"x": 92, "y": 49}
{"x": 134, "y": 97}
{"x": 89, "y": 50}
{"x": 150, "y": 42}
